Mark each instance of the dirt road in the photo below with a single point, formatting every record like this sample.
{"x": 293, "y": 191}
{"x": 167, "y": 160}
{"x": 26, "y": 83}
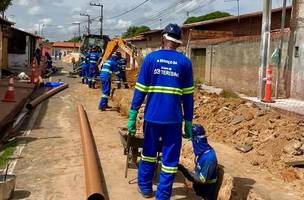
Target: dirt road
{"x": 51, "y": 165}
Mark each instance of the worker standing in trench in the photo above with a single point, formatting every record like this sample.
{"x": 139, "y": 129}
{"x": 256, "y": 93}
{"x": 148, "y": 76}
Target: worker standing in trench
{"x": 204, "y": 176}
{"x": 166, "y": 78}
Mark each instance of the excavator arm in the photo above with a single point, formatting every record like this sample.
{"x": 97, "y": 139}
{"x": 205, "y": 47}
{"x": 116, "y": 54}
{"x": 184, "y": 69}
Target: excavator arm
{"x": 118, "y": 43}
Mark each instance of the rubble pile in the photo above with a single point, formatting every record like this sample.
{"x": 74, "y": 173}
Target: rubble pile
{"x": 273, "y": 138}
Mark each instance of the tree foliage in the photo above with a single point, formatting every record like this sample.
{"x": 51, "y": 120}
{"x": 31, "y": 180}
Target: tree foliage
{"x": 134, "y": 30}
{"x": 213, "y": 15}
{"x": 4, "y": 4}
{"x": 74, "y": 39}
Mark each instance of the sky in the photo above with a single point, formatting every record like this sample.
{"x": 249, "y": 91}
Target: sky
{"x": 54, "y": 18}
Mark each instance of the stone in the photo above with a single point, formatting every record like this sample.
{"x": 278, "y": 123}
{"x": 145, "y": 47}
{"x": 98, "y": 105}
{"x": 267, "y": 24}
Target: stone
{"x": 244, "y": 148}
{"x": 237, "y": 119}
{"x": 255, "y": 163}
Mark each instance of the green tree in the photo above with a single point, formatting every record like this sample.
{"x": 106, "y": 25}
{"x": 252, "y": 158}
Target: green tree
{"x": 74, "y": 39}
{"x": 4, "y": 4}
{"x": 213, "y": 15}
{"x": 134, "y": 30}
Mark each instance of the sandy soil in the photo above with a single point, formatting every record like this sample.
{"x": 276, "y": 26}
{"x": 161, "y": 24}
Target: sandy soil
{"x": 51, "y": 166}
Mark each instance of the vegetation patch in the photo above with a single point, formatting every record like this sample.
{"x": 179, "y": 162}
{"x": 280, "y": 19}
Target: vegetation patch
{"x": 213, "y": 15}
{"x": 6, "y": 152}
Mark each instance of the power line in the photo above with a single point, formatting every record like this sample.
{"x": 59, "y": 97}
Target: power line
{"x": 126, "y": 12}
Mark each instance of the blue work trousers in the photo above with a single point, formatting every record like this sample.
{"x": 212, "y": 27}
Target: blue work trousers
{"x": 106, "y": 90}
{"x": 171, "y": 137}
{"x": 93, "y": 72}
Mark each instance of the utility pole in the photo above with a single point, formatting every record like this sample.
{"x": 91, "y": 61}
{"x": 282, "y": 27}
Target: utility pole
{"x": 101, "y": 15}
{"x": 295, "y": 69}
{"x": 277, "y": 85}
{"x": 265, "y": 47}
{"x": 78, "y": 24}
{"x": 160, "y": 23}
{"x": 89, "y": 21}
{"x": 238, "y": 7}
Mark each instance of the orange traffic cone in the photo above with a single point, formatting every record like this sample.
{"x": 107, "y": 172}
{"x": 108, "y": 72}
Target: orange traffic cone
{"x": 10, "y": 93}
{"x": 268, "y": 86}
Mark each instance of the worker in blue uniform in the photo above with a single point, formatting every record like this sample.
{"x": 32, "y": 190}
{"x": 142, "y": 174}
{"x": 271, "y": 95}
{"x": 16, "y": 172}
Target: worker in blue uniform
{"x": 122, "y": 65}
{"x": 205, "y": 174}
{"x": 93, "y": 68}
{"x": 108, "y": 68}
{"x": 166, "y": 78}
{"x": 85, "y": 66}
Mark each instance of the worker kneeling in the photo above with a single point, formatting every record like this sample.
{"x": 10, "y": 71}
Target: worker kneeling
{"x": 204, "y": 177}
{"x": 109, "y": 67}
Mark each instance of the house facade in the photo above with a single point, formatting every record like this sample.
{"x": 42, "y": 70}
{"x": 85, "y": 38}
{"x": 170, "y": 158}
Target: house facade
{"x": 225, "y": 52}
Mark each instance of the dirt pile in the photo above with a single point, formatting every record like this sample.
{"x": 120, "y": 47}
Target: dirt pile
{"x": 274, "y": 137}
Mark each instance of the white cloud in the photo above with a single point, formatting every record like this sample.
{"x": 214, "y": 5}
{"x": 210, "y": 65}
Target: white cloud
{"x": 23, "y": 2}
{"x": 45, "y": 21}
{"x": 123, "y": 24}
{"x": 34, "y": 10}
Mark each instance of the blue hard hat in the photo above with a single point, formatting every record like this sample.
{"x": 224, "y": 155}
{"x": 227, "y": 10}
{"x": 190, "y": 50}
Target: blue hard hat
{"x": 199, "y": 139}
{"x": 173, "y": 33}
{"x": 198, "y": 130}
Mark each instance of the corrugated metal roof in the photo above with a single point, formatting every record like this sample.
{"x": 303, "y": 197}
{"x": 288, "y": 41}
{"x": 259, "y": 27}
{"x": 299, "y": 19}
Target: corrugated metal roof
{"x": 27, "y": 33}
{"x": 66, "y": 44}
{"x": 5, "y": 21}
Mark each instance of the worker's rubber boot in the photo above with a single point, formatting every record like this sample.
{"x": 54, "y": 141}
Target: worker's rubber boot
{"x": 126, "y": 86}
{"x": 90, "y": 84}
{"x": 118, "y": 85}
{"x": 83, "y": 80}
{"x": 150, "y": 195}
{"x": 93, "y": 85}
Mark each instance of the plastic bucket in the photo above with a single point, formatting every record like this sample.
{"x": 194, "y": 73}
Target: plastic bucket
{"x": 7, "y": 187}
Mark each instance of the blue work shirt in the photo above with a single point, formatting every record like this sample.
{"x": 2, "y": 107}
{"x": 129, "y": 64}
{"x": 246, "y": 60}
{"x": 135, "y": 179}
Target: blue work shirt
{"x": 108, "y": 68}
{"x": 166, "y": 78}
{"x": 94, "y": 57}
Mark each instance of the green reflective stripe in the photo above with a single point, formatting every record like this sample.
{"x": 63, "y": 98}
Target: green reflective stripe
{"x": 170, "y": 170}
{"x": 160, "y": 89}
{"x": 141, "y": 86}
{"x": 140, "y": 89}
{"x": 105, "y": 96}
{"x": 106, "y": 70}
{"x": 211, "y": 181}
{"x": 148, "y": 159}
{"x": 188, "y": 90}
{"x": 202, "y": 178}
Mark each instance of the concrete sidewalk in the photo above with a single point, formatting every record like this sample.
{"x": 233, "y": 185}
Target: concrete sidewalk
{"x": 9, "y": 110}
{"x": 290, "y": 105}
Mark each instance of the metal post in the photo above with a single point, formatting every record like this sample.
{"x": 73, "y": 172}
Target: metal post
{"x": 277, "y": 84}
{"x": 89, "y": 21}
{"x": 265, "y": 47}
{"x": 101, "y": 15}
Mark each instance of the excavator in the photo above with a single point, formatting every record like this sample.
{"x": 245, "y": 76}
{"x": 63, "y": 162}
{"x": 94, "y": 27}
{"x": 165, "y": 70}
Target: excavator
{"x": 118, "y": 44}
